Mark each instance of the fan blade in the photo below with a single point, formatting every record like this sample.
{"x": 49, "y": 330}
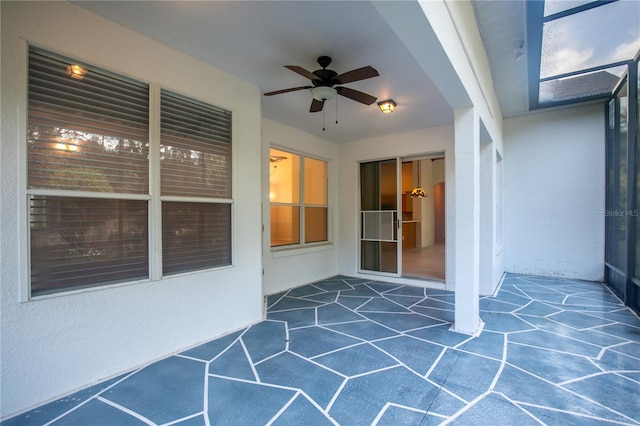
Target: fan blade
{"x": 356, "y": 75}
{"x": 302, "y": 72}
{"x": 316, "y": 105}
{"x": 356, "y": 95}
{"x": 293, "y": 89}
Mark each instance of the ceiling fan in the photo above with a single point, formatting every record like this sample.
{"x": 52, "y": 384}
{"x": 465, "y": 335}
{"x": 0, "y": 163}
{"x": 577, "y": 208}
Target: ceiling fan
{"x": 324, "y": 80}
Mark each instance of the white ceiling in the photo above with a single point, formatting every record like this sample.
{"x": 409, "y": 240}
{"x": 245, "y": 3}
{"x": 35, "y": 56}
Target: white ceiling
{"x": 502, "y": 25}
{"x": 253, "y": 40}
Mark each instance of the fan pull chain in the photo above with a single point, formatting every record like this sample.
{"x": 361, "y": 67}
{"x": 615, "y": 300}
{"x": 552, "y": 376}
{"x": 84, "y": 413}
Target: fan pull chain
{"x": 323, "y": 129}
{"x": 336, "y": 110}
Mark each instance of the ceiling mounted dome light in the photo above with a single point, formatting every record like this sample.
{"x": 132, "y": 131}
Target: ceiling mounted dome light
{"x": 323, "y": 93}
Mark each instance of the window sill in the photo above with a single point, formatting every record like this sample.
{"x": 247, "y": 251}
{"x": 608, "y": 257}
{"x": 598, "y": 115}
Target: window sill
{"x": 121, "y": 284}
{"x": 90, "y": 289}
{"x": 300, "y": 250}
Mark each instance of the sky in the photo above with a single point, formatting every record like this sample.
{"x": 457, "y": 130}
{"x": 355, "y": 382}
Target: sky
{"x": 599, "y": 36}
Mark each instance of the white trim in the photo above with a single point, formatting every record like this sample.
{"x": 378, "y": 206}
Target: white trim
{"x": 154, "y": 228}
{"x": 179, "y": 199}
{"x": 296, "y": 250}
{"x": 23, "y": 210}
{"x": 235, "y": 179}
{"x": 86, "y": 194}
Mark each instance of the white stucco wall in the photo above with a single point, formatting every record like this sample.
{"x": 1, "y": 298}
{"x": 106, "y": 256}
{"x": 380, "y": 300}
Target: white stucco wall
{"x": 554, "y": 173}
{"x": 54, "y": 345}
{"x": 287, "y": 268}
{"x": 439, "y": 139}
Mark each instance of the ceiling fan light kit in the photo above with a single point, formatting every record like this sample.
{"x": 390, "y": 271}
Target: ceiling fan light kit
{"x": 323, "y": 93}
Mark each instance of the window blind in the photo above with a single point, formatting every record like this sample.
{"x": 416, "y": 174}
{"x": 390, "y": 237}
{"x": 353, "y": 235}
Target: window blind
{"x": 87, "y": 134}
{"x": 90, "y": 134}
{"x": 195, "y": 236}
{"x": 195, "y": 149}
{"x": 82, "y": 242}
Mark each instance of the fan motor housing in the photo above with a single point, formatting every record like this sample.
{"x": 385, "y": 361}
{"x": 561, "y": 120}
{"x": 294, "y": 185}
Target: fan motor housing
{"x": 326, "y": 77}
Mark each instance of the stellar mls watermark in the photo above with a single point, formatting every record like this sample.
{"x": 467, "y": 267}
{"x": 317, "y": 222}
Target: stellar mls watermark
{"x": 622, "y": 213}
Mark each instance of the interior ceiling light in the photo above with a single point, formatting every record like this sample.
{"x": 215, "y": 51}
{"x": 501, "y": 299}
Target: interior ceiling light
{"x": 387, "y": 106}
{"x": 76, "y": 72}
{"x": 323, "y": 93}
{"x": 418, "y": 191}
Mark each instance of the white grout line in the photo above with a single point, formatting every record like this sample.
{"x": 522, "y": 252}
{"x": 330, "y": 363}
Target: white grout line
{"x": 270, "y": 357}
{"x": 441, "y": 388}
{"x": 205, "y": 402}
{"x": 621, "y": 374}
{"x": 606, "y": 348}
{"x": 551, "y": 350}
{"x": 569, "y": 391}
{"x": 253, "y": 367}
{"x": 317, "y": 364}
{"x": 190, "y": 358}
{"x": 520, "y": 408}
{"x": 192, "y": 416}
{"x": 367, "y": 373}
{"x": 360, "y": 306}
{"x": 465, "y": 408}
{"x": 601, "y": 373}
{"x": 391, "y": 404}
{"x": 417, "y": 303}
{"x": 336, "y": 350}
{"x": 596, "y": 365}
{"x": 436, "y": 362}
{"x": 126, "y": 410}
{"x": 283, "y": 409}
{"x": 503, "y": 362}
{"x": 335, "y": 395}
{"x": 291, "y": 310}
{"x": 95, "y": 396}
{"x": 574, "y": 413}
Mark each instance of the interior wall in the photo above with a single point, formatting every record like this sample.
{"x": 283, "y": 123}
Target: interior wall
{"x": 554, "y": 182}
{"x": 57, "y": 344}
{"x": 286, "y": 268}
{"x": 438, "y": 139}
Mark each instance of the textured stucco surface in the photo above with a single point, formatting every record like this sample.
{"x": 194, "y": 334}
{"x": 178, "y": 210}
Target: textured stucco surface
{"x": 554, "y": 176}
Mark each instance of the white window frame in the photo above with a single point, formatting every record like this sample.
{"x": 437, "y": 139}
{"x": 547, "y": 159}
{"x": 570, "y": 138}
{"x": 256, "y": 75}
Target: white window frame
{"x": 301, "y": 205}
{"x": 153, "y": 198}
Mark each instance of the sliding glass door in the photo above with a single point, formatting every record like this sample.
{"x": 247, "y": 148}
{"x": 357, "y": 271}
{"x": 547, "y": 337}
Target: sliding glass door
{"x": 379, "y": 222}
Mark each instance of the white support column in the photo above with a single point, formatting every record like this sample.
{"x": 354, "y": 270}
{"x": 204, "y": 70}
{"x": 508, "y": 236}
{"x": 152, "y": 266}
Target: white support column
{"x": 487, "y": 211}
{"x": 467, "y": 221}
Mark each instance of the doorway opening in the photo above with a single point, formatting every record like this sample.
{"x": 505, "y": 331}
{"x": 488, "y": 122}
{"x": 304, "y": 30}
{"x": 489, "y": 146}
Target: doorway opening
{"x": 423, "y": 218}
{"x": 402, "y": 217}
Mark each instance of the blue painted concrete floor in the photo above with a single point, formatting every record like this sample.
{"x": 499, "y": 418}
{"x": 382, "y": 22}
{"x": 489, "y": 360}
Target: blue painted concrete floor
{"x": 358, "y": 352}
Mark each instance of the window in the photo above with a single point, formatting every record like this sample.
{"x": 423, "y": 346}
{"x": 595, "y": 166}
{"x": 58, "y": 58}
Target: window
{"x": 195, "y": 173}
{"x": 90, "y": 163}
{"x": 299, "y": 199}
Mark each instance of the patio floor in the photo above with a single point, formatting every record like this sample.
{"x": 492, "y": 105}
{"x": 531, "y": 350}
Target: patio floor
{"x": 357, "y": 352}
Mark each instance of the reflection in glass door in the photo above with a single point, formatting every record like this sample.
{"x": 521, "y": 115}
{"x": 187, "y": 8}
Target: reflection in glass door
{"x": 379, "y": 216}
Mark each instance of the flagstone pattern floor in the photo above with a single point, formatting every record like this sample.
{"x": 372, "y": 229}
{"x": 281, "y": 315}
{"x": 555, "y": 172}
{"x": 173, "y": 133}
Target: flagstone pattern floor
{"x": 359, "y": 352}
